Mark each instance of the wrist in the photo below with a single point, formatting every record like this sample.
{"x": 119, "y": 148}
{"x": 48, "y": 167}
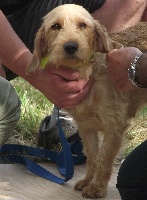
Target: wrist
{"x": 138, "y": 71}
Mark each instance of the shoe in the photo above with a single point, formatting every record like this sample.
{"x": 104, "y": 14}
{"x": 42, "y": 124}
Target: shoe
{"x": 47, "y": 137}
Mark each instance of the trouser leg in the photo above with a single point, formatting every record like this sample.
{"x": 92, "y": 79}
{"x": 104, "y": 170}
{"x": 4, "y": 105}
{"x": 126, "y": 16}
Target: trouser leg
{"x": 9, "y": 109}
{"x": 132, "y": 176}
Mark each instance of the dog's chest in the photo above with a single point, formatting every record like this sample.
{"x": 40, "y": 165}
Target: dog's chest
{"x": 101, "y": 103}
{"x": 97, "y": 99}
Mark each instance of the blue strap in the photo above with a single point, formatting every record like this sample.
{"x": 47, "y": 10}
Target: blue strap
{"x": 65, "y": 160}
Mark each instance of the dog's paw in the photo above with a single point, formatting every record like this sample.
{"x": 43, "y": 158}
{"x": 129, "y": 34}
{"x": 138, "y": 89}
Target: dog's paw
{"x": 93, "y": 191}
{"x": 80, "y": 185}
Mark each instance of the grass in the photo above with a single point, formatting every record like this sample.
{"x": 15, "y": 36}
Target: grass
{"x": 137, "y": 132}
{"x": 35, "y": 107}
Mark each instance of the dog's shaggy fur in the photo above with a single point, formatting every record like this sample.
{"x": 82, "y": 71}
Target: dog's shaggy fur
{"x": 70, "y": 37}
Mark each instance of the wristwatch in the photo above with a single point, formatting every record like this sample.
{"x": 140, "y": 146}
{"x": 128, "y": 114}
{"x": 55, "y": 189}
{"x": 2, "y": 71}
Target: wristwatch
{"x": 132, "y": 73}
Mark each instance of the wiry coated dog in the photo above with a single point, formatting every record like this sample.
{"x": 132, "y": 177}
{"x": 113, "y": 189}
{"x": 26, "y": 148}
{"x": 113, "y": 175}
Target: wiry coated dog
{"x": 70, "y": 37}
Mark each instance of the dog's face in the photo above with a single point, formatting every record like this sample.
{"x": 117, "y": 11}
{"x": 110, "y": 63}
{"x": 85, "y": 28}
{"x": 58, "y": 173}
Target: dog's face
{"x": 69, "y": 36}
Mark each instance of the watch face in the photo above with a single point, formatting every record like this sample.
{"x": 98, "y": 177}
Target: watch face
{"x": 131, "y": 74}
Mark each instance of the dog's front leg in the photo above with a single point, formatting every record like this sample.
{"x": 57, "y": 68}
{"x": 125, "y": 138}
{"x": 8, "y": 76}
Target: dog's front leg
{"x": 98, "y": 186}
{"x": 90, "y": 143}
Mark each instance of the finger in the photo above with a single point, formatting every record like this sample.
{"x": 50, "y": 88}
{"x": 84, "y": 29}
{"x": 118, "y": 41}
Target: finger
{"x": 70, "y": 100}
{"x": 64, "y": 72}
{"x": 77, "y": 86}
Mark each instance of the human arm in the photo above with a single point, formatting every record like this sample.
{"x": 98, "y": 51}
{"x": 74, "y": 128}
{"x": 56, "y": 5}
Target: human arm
{"x": 118, "y": 63}
{"x": 128, "y": 13}
{"x": 58, "y": 85}
{"x": 117, "y": 15}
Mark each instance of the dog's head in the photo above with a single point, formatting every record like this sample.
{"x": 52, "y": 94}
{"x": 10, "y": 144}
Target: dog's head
{"x": 69, "y": 36}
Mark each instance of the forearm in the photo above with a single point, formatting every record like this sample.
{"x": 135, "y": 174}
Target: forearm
{"x": 118, "y": 63}
{"x": 13, "y": 53}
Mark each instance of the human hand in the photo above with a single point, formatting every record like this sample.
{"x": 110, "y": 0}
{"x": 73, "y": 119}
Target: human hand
{"x": 118, "y": 62}
{"x": 61, "y": 86}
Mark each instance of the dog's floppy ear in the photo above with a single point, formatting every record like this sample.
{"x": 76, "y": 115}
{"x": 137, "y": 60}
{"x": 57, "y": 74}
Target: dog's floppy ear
{"x": 40, "y": 51}
{"x": 103, "y": 41}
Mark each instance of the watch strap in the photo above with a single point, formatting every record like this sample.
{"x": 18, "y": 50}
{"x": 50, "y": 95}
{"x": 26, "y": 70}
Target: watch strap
{"x": 132, "y": 72}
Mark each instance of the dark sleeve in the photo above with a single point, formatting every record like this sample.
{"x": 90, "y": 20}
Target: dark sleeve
{"x": 90, "y": 5}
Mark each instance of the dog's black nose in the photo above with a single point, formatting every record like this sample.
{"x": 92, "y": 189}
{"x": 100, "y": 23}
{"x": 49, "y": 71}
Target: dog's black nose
{"x": 70, "y": 47}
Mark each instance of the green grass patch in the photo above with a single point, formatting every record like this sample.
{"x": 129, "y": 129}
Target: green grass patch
{"x": 137, "y": 132}
{"x": 34, "y": 108}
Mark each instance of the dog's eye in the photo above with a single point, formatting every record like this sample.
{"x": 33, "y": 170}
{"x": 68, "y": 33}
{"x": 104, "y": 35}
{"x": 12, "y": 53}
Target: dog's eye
{"x": 56, "y": 26}
{"x": 82, "y": 25}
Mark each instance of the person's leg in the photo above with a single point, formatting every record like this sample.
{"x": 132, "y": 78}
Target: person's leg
{"x": 9, "y": 109}
{"x": 132, "y": 176}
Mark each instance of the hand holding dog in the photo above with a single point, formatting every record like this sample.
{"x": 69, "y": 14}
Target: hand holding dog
{"x": 118, "y": 62}
{"x": 62, "y": 87}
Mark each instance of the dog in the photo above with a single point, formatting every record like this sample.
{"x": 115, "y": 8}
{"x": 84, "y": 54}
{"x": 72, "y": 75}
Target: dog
{"x": 70, "y": 37}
